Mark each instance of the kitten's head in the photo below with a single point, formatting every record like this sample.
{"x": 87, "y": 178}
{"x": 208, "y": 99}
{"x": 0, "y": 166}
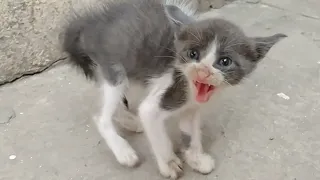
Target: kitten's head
{"x": 215, "y": 51}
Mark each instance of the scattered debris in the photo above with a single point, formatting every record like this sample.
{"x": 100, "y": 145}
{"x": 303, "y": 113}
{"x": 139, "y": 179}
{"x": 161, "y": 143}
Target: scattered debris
{"x": 223, "y": 133}
{"x": 6, "y": 115}
{"x": 12, "y": 157}
{"x": 284, "y": 96}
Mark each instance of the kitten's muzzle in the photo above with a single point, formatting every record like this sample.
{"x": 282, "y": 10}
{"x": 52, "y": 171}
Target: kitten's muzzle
{"x": 203, "y": 77}
{"x": 203, "y": 73}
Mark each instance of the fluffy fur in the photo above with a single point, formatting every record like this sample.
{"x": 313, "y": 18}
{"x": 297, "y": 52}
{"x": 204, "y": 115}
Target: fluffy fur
{"x": 160, "y": 48}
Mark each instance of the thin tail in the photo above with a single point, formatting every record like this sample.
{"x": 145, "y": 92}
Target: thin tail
{"x": 77, "y": 56}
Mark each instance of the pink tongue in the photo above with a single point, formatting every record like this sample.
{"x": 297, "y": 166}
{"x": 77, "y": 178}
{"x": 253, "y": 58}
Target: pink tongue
{"x": 204, "y": 92}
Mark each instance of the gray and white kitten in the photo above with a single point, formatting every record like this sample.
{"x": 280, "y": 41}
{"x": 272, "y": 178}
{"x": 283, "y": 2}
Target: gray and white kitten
{"x": 177, "y": 60}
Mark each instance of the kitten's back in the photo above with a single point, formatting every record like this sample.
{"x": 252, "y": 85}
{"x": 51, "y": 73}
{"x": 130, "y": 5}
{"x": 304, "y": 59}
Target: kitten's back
{"x": 122, "y": 38}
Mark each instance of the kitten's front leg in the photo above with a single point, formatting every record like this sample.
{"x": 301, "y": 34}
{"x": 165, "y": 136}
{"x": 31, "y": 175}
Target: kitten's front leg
{"x": 190, "y": 126}
{"x": 152, "y": 118}
{"x": 153, "y": 114}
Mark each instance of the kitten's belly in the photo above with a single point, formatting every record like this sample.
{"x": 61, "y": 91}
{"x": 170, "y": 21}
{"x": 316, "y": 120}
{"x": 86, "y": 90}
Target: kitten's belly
{"x": 135, "y": 94}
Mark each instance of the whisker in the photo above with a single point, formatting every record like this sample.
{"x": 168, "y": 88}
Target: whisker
{"x": 232, "y": 45}
{"x": 176, "y": 53}
{"x": 166, "y": 57}
{"x": 231, "y": 41}
{"x": 199, "y": 34}
{"x": 194, "y": 35}
{"x": 193, "y": 42}
{"x": 225, "y": 81}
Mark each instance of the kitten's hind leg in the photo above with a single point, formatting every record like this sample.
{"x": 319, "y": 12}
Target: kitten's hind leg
{"x": 112, "y": 96}
{"x": 127, "y": 119}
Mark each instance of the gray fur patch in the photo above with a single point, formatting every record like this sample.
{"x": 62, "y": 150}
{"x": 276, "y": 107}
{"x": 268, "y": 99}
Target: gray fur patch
{"x": 177, "y": 94}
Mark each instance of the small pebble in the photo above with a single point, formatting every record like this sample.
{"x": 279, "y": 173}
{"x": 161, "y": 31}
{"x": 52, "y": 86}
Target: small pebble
{"x": 284, "y": 96}
{"x": 12, "y": 157}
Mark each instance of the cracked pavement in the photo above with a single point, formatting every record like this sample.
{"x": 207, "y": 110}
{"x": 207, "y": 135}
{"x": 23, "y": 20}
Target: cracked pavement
{"x": 266, "y": 128}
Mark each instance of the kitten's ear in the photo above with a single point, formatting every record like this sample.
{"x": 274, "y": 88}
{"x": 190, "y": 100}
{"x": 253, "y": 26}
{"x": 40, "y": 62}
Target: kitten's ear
{"x": 176, "y": 16}
{"x": 264, "y": 44}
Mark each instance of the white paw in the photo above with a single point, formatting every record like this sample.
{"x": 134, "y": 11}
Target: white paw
{"x": 172, "y": 169}
{"x": 129, "y": 121}
{"x": 125, "y": 154}
{"x": 200, "y": 162}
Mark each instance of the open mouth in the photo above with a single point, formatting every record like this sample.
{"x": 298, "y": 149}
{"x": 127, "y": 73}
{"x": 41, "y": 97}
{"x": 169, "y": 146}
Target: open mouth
{"x": 204, "y": 91}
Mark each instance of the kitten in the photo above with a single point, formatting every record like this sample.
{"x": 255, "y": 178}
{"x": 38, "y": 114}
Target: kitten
{"x": 180, "y": 62}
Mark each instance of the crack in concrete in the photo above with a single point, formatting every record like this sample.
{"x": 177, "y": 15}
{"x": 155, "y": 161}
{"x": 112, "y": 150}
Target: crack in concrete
{"x": 34, "y": 72}
{"x": 9, "y": 118}
{"x": 308, "y": 16}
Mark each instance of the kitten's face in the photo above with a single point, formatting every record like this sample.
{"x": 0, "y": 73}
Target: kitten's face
{"x": 215, "y": 51}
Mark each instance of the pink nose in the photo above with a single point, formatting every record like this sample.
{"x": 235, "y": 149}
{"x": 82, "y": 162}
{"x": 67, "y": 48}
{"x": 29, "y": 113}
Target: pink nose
{"x": 203, "y": 73}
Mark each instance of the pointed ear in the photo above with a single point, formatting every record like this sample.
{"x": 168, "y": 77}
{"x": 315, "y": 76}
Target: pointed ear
{"x": 176, "y": 16}
{"x": 264, "y": 44}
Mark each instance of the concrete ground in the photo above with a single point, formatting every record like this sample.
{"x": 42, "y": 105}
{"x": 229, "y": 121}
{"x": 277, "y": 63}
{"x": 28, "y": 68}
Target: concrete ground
{"x": 267, "y": 128}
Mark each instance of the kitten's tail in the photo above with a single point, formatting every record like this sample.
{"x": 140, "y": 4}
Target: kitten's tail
{"x": 77, "y": 56}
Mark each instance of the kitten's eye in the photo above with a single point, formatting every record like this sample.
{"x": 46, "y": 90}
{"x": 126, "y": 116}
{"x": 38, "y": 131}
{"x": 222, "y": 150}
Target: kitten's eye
{"x": 193, "y": 54}
{"x": 225, "y": 62}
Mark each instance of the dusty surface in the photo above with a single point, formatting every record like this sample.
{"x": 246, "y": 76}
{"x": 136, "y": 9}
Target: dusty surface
{"x": 28, "y": 36}
{"x": 265, "y": 129}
